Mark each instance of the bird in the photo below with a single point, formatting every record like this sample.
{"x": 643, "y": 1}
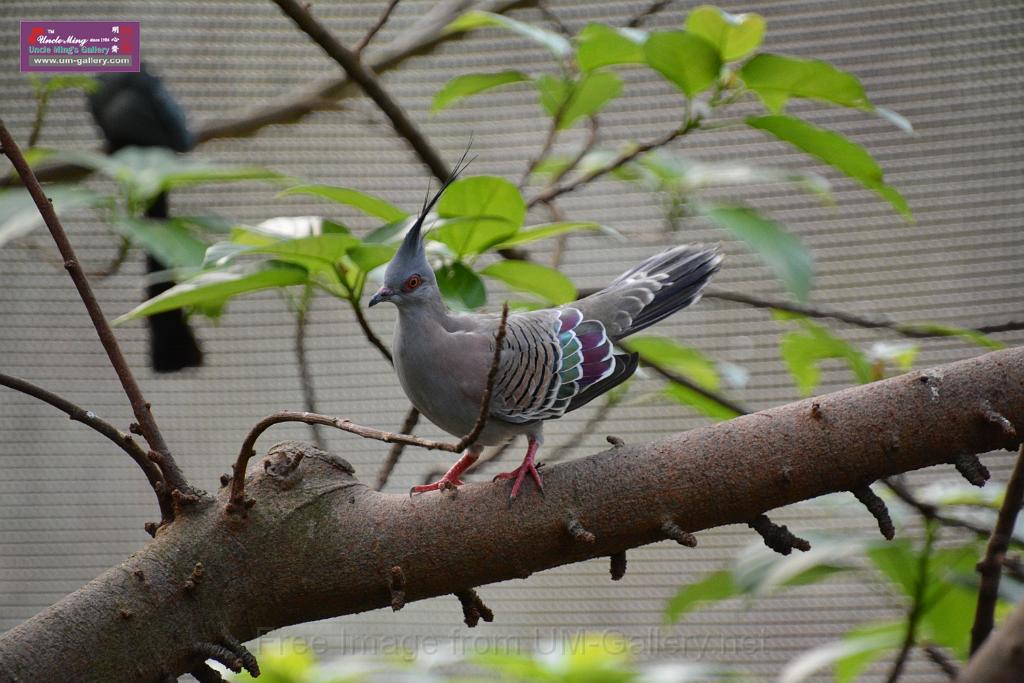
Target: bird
{"x": 136, "y": 109}
{"x": 552, "y": 360}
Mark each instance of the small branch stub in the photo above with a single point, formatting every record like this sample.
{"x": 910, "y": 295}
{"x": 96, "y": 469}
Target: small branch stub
{"x": 617, "y": 565}
{"x": 777, "y": 537}
{"x": 971, "y": 469}
{"x": 578, "y": 531}
{"x": 999, "y": 422}
{"x": 678, "y": 534}
{"x": 473, "y": 608}
{"x": 876, "y": 506}
{"x": 396, "y": 585}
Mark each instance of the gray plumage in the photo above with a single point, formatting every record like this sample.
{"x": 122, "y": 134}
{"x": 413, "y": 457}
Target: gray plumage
{"x": 552, "y": 361}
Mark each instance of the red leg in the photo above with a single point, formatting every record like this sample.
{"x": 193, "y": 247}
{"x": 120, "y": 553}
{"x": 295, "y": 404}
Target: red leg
{"x": 451, "y": 480}
{"x": 519, "y": 473}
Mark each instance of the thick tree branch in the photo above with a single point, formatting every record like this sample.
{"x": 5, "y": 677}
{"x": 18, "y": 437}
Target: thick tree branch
{"x": 1001, "y": 658}
{"x": 367, "y": 81}
{"x": 172, "y": 476}
{"x": 90, "y": 419}
{"x": 265, "y": 571}
{"x": 991, "y": 566}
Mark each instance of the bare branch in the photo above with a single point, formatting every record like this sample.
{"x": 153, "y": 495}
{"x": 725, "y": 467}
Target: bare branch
{"x": 172, "y": 476}
{"x": 991, "y": 566}
{"x": 90, "y": 419}
{"x": 917, "y": 331}
{"x": 367, "y": 81}
{"x": 368, "y": 332}
{"x": 647, "y": 12}
{"x": 305, "y": 375}
{"x": 408, "y": 424}
{"x": 492, "y": 375}
{"x": 358, "y": 48}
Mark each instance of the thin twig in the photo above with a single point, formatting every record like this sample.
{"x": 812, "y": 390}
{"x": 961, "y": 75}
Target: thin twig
{"x": 991, "y": 566}
{"x": 905, "y": 329}
{"x": 123, "y": 249}
{"x": 554, "y": 19}
{"x": 691, "y": 385}
{"x": 368, "y": 332}
{"x": 140, "y": 407}
{"x": 553, "y": 190}
{"x": 368, "y": 82}
{"x": 593, "y": 131}
{"x": 377, "y": 26}
{"x": 917, "y": 606}
{"x": 492, "y": 375}
{"x": 90, "y": 419}
{"x": 648, "y": 11}
{"x": 943, "y": 661}
{"x": 408, "y": 424}
{"x": 238, "y": 502}
{"x": 929, "y": 511}
{"x": 305, "y": 375}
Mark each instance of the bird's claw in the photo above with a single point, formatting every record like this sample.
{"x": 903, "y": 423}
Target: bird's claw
{"x": 443, "y": 484}
{"x": 519, "y": 475}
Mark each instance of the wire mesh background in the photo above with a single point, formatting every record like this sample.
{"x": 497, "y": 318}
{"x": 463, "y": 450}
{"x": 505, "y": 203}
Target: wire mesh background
{"x": 70, "y": 506}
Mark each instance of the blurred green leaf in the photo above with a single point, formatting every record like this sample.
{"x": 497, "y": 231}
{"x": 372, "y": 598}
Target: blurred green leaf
{"x": 835, "y": 150}
{"x": 848, "y": 655}
{"x": 672, "y": 355}
{"x": 802, "y": 352}
{"x": 19, "y": 215}
{"x": 171, "y": 241}
{"x": 533, "y": 278}
{"x": 779, "y": 249}
{"x": 776, "y": 78}
{"x": 367, "y": 203}
{"x": 460, "y": 287}
{"x": 703, "y": 404}
{"x": 950, "y": 331}
{"x": 543, "y": 232}
{"x": 688, "y": 61}
{"x": 714, "y": 587}
{"x": 467, "y": 85}
{"x": 734, "y": 35}
{"x": 586, "y": 97}
{"x": 367, "y": 257}
{"x": 215, "y": 287}
{"x": 601, "y": 45}
{"x": 474, "y": 19}
{"x": 64, "y": 82}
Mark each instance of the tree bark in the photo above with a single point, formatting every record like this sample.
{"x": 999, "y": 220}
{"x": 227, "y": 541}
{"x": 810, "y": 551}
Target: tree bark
{"x": 1001, "y": 658}
{"x": 318, "y": 543}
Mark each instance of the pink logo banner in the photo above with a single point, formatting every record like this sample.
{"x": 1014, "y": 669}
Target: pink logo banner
{"x": 80, "y": 46}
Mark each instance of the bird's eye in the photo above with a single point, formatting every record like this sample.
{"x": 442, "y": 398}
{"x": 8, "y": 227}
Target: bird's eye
{"x": 412, "y": 283}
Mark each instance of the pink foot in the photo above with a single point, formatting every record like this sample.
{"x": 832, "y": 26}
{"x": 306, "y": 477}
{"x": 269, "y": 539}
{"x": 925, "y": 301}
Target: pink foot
{"x": 450, "y": 480}
{"x": 519, "y": 473}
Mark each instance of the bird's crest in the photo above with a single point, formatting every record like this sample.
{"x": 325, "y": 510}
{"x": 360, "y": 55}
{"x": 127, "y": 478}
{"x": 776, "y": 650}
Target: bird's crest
{"x": 412, "y": 242}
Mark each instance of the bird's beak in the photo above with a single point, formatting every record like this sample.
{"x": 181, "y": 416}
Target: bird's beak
{"x": 383, "y": 294}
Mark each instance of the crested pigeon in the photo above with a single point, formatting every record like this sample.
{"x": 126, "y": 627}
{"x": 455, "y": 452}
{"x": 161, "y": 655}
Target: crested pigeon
{"x": 552, "y": 361}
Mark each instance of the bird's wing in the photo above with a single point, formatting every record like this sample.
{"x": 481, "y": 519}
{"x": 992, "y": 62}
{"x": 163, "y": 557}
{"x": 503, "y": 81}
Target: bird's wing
{"x": 549, "y": 361}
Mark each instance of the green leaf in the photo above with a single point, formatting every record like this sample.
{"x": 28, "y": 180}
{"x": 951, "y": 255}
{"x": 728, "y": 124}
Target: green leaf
{"x": 460, "y": 287}
{"x": 703, "y": 404}
{"x": 686, "y": 60}
{"x": 171, "y": 241}
{"x": 601, "y": 45}
{"x": 586, "y": 97}
{"x": 65, "y": 82}
{"x": 776, "y": 78}
{"x": 802, "y": 352}
{"x": 482, "y": 211}
{"x": 215, "y": 287}
{"x": 835, "y": 150}
{"x": 474, "y": 19}
{"x": 367, "y": 257}
{"x": 848, "y": 655}
{"x": 972, "y": 336}
{"x": 533, "y": 278}
{"x": 714, "y": 587}
{"x": 367, "y": 203}
{"x": 464, "y": 86}
{"x": 779, "y": 249}
{"x": 735, "y": 35}
{"x": 20, "y": 216}
{"x": 672, "y": 355}
{"x": 543, "y": 232}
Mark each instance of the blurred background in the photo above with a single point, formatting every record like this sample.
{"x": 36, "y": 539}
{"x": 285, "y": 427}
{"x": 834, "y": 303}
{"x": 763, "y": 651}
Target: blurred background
{"x": 70, "y": 506}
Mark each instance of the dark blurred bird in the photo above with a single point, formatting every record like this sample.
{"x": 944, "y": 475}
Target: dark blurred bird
{"x": 552, "y": 361}
{"x": 135, "y": 109}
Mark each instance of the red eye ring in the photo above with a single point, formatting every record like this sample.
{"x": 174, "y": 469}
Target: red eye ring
{"x": 412, "y": 283}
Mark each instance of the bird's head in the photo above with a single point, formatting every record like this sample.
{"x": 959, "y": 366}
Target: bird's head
{"x": 409, "y": 279}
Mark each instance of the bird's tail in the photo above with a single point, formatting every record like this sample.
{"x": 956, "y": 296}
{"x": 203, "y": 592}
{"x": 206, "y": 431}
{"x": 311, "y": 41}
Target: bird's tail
{"x": 653, "y": 290}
